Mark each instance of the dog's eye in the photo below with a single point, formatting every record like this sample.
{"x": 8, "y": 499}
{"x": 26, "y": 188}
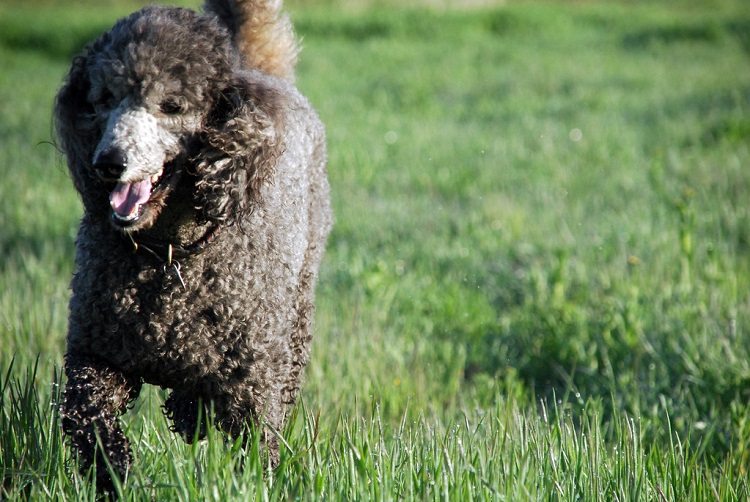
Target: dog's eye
{"x": 106, "y": 97}
{"x": 105, "y": 100}
{"x": 171, "y": 107}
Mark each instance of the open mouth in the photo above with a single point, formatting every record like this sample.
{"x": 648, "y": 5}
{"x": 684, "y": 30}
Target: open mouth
{"x": 129, "y": 200}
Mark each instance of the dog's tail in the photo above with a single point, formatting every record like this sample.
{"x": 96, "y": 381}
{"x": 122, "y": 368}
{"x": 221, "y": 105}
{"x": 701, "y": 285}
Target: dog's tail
{"x": 263, "y": 35}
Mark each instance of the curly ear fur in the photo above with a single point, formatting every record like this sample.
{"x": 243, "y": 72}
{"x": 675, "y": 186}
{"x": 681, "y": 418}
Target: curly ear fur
{"x": 75, "y": 121}
{"x": 243, "y": 143}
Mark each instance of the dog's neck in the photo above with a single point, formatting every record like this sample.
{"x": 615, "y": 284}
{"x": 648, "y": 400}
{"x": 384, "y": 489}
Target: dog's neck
{"x": 178, "y": 229}
{"x": 167, "y": 251}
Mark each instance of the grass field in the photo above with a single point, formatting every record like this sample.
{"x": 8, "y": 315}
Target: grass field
{"x": 538, "y": 286}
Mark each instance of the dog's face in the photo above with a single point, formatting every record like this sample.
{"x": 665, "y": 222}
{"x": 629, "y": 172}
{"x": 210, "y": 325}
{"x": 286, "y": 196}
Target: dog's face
{"x": 131, "y": 116}
{"x": 146, "y": 131}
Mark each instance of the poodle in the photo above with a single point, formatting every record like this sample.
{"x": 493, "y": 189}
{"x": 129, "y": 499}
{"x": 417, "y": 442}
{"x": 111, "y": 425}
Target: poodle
{"x": 202, "y": 174}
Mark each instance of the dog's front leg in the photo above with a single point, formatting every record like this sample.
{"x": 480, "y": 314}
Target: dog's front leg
{"x": 95, "y": 396}
{"x": 188, "y": 416}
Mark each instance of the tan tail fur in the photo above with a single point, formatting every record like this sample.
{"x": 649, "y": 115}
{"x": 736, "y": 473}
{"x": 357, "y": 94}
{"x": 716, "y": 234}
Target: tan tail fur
{"x": 263, "y": 35}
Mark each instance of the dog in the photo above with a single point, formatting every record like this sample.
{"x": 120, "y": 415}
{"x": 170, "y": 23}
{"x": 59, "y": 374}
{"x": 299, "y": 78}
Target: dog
{"x": 206, "y": 209}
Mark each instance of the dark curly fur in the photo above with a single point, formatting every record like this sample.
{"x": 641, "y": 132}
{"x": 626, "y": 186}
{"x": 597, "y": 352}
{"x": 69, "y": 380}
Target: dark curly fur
{"x": 187, "y": 140}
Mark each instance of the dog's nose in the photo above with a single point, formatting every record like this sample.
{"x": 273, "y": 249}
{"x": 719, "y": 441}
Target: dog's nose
{"x": 110, "y": 163}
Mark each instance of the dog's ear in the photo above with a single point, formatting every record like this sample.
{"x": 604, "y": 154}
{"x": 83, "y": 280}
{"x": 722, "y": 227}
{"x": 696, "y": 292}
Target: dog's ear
{"x": 242, "y": 143}
{"x": 76, "y": 126}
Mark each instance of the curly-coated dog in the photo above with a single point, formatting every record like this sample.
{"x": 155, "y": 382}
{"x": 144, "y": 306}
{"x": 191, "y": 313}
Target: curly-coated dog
{"x": 202, "y": 174}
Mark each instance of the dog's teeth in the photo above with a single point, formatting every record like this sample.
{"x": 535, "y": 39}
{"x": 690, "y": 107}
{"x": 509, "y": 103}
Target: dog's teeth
{"x": 130, "y": 217}
{"x": 156, "y": 176}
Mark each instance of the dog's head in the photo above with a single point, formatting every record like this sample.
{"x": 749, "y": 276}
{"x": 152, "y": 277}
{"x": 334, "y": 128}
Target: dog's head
{"x": 158, "y": 101}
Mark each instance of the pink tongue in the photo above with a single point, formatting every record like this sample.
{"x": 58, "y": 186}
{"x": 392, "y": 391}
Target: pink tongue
{"x": 126, "y": 198}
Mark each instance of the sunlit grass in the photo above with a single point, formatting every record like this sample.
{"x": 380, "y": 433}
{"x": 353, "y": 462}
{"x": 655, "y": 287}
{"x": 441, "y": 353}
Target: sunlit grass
{"x": 537, "y": 286}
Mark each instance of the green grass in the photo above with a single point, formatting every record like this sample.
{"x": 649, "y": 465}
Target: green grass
{"x": 537, "y": 286}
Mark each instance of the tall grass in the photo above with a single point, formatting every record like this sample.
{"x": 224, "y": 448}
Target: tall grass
{"x": 537, "y": 286}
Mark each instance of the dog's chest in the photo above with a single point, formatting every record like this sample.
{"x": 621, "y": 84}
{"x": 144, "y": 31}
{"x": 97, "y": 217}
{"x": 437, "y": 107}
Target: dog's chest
{"x": 177, "y": 334}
